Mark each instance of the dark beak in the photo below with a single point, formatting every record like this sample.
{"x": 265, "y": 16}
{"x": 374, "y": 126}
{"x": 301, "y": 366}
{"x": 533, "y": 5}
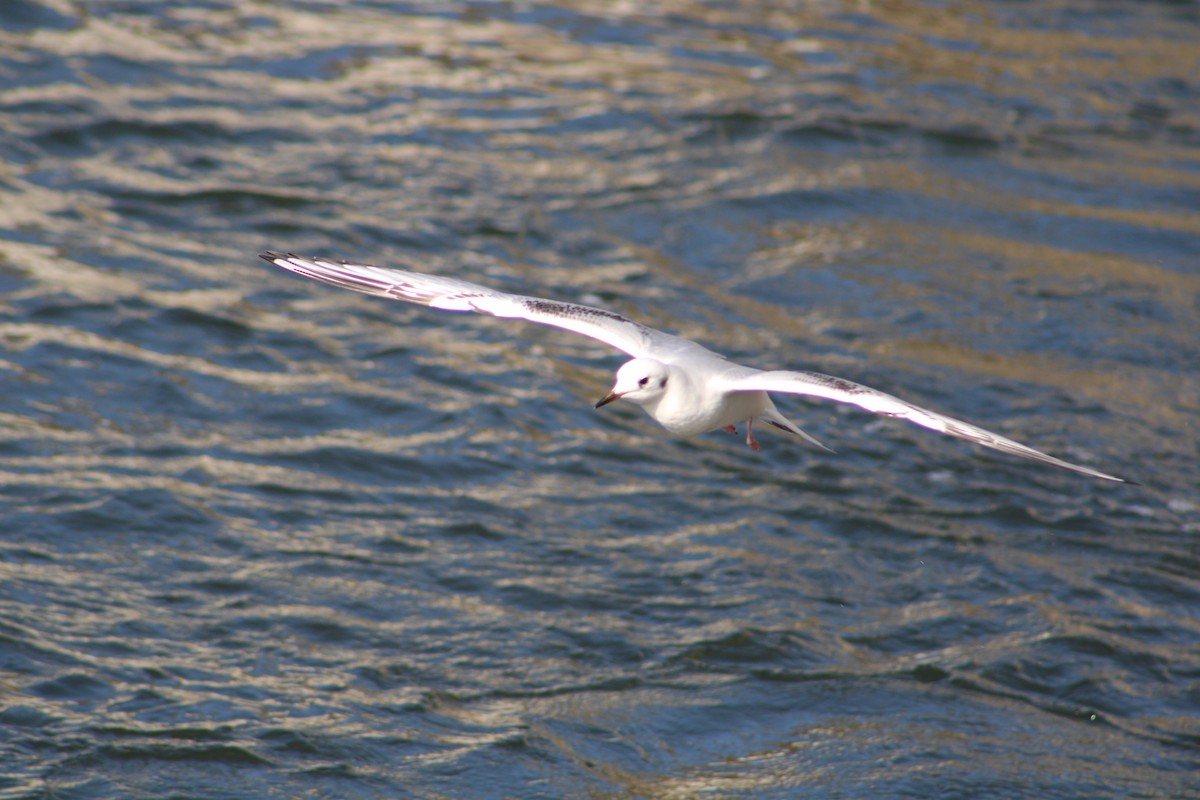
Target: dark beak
{"x": 608, "y": 398}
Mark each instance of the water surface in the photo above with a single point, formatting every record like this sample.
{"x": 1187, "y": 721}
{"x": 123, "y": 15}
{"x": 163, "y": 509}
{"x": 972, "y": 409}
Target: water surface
{"x": 263, "y": 538}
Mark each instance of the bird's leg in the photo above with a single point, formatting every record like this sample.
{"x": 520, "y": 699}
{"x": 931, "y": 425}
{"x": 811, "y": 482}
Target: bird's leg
{"x": 729, "y": 429}
{"x": 751, "y": 442}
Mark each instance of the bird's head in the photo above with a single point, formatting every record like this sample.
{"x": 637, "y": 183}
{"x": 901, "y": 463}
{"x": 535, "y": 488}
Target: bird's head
{"x": 642, "y": 381}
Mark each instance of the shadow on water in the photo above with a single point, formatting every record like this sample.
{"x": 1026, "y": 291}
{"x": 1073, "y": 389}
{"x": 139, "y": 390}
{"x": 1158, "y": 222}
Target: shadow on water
{"x": 264, "y": 538}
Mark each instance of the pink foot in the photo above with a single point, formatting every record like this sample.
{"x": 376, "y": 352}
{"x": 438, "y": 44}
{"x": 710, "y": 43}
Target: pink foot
{"x": 751, "y": 441}
{"x": 729, "y": 429}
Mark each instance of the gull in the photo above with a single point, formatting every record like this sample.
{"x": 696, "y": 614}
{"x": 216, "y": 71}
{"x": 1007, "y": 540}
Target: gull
{"x": 685, "y": 387}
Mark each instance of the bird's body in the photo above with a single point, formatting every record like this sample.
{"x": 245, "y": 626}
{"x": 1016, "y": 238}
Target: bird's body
{"x": 714, "y": 409}
{"x": 685, "y": 387}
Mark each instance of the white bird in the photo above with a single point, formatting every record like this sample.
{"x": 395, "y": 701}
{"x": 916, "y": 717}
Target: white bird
{"x": 686, "y": 388}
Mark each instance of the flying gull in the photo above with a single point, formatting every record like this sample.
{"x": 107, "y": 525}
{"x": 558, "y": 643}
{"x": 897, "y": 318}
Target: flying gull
{"x": 686, "y": 388}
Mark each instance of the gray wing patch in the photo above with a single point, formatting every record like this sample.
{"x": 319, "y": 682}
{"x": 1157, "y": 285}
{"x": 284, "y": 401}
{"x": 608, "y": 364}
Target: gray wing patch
{"x": 554, "y": 308}
{"x": 837, "y": 384}
{"x": 619, "y": 331}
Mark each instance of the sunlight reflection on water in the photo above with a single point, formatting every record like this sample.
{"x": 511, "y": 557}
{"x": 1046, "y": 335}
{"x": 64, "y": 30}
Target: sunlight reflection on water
{"x": 263, "y": 538}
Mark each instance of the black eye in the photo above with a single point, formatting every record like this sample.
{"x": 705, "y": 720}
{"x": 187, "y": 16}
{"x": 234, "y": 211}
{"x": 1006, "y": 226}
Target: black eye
{"x": 643, "y": 381}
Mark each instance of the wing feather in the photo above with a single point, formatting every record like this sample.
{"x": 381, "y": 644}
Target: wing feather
{"x": 452, "y": 294}
{"x": 815, "y": 384}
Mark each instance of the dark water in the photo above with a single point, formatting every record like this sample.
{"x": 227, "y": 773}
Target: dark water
{"x": 265, "y": 539}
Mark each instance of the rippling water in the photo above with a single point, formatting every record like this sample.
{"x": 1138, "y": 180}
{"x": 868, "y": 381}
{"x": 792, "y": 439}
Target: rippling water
{"x": 262, "y": 538}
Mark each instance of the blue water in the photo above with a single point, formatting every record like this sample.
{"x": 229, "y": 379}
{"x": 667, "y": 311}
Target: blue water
{"x": 262, "y": 538}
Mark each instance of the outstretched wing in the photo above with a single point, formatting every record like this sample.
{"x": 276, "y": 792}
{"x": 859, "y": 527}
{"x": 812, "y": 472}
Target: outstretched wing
{"x": 817, "y": 385}
{"x": 452, "y": 294}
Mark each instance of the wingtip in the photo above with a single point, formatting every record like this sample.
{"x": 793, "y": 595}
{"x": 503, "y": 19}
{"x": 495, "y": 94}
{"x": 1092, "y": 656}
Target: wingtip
{"x": 1095, "y": 473}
